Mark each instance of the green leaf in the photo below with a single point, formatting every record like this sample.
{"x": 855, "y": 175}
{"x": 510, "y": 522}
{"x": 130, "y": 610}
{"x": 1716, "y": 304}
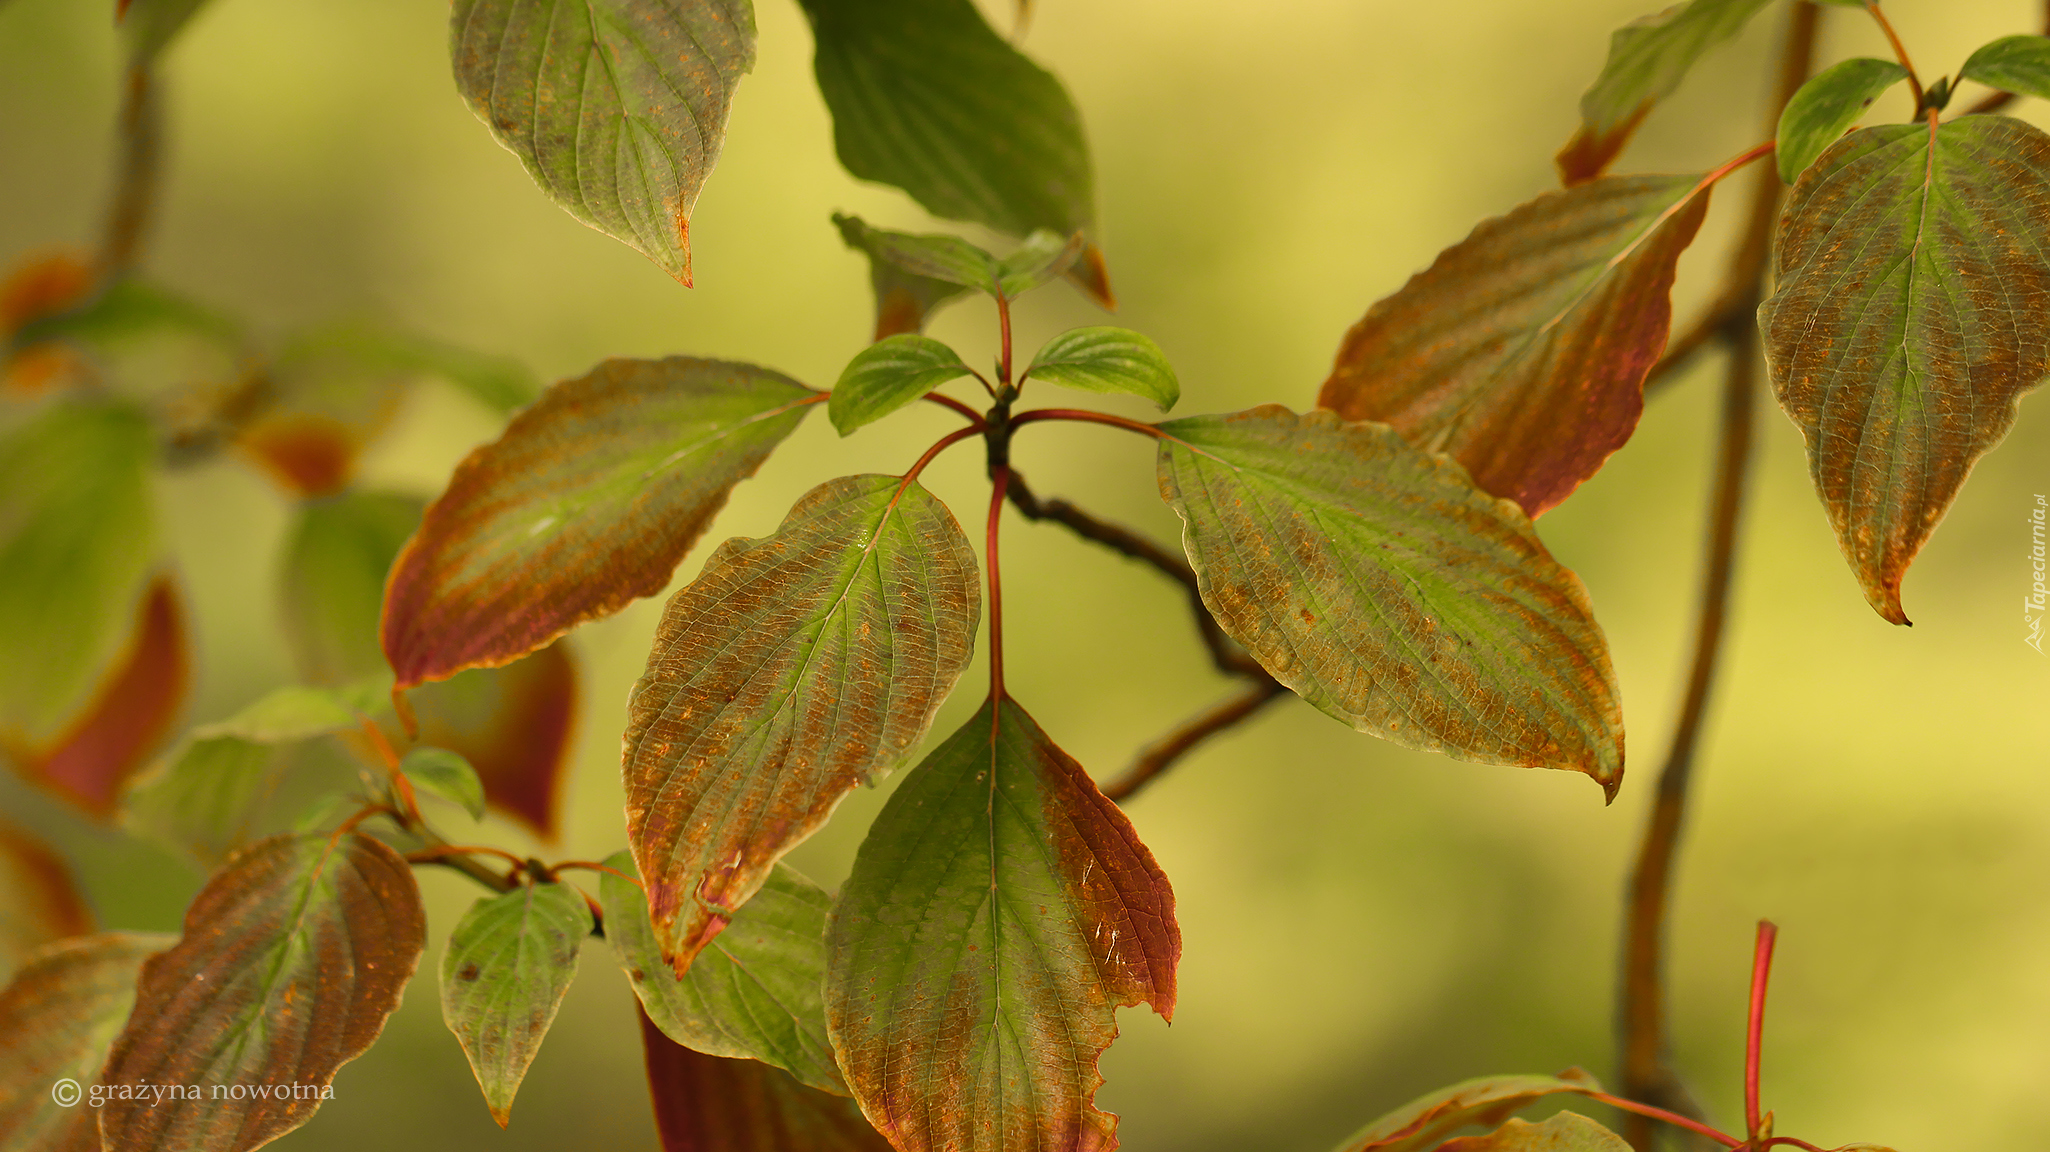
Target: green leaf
{"x": 58, "y": 1017}
{"x": 150, "y": 25}
{"x": 617, "y": 110}
{"x": 936, "y": 256}
{"x": 508, "y": 964}
{"x": 1564, "y": 1132}
{"x": 1827, "y": 105}
{"x": 1522, "y": 351}
{"x": 588, "y": 500}
{"x": 1108, "y": 360}
{"x": 361, "y": 351}
{"x": 293, "y": 956}
{"x": 1912, "y": 310}
{"x": 794, "y": 668}
{"x": 889, "y": 374}
{"x": 203, "y": 798}
{"x": 755, "y": 990}
{"x": 1044, "y": 256}
{"x": 2018, "y": 64}
{"x": 443, "y": 773}
{"x": 298, "y": 712}
{"x": 903, "y": 299}
{"x": 129, "y": 308}
{"x": 927, "y": 97}
{"x": 1376, "y": 581}
{"x": 718, "y": 1104}
{"x": 998, "y": 912}
{"x": 77, "y": 535}
{"x": 1426, "y": 1122}
{"x": 1648, "y": 58}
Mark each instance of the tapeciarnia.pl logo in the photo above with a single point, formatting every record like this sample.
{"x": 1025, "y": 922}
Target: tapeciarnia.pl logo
{"x": 2035, "y": 605}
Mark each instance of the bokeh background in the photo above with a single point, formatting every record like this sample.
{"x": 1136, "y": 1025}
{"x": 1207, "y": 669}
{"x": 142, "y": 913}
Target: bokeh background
{"x": 1362, "y": 923}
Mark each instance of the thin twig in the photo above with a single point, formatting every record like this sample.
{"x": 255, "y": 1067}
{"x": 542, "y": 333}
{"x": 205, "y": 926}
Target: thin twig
{"x": 1900, "y": 52}
{"x": 1644, "y": 1074}
{"x": 135, "y": 176}
{"x": 1159, "y": 755}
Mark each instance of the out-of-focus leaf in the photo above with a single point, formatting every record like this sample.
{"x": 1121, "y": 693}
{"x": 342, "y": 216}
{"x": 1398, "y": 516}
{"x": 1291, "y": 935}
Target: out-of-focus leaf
{"x": 367, "y": 351}
{"x": 1564, "y": 1132}
{"x": 443, "y": 773}
{"x": 1522, "y": 351}
{"x": 2018, "y": 64}
{"x": 755, "y": 990}
{"x": 589, "y": 500}
{"x": 512, "y": 723}
{"x": 132, "y": 714}
{"x": 936, "y": 256}
{"x": 1648, "y": 58}
{"x": 1376, "y": 581}
{"x": 617, "y": 110}
{"x": 1044, "y": 256}
{"x": 77, "y": 535}
{"x": 998, "y": 913}
{"x": 1827, "y": 105}
{"x": 149, "y": 25}
{"x": 299, "y": 711}
{"x": 904, "y": 299}
{"x": 1911, "y": 312}
{"x": 38, "y": 900}
{"x": 927, "y": 97}
{"x": 508, "y": 964}
{"x": 293, "y": 956}
{"x": 1108, "y": 360}
{"x": 203, "y": 798}
{"x": 45, "y": 283}
{"x": 58, "y": 1017}
{"x": 1424, "y": 1123}
{"x": 889, "y": 374}
{"x": 794, "y": 668}
{"x": 718, "y": 1104}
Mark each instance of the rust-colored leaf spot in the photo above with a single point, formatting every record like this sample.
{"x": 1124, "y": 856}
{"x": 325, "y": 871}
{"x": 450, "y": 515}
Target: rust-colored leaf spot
{"x": 720, "y": 1104}
{"x": 307, "y": 453}
{"x": 132, "y": 714}
{"x": 998, "y": 913}
{"x": 513, "y": 724}
{"x": 1425, "y": 1123}
{"x": 293, "y": 956}
{"x": 1522, "y": 351}
{"x": 38, "y": 900}
{"x": 1912, "y": 311}
{"x": 57, "y": 1018}
{"x": 794, "y": 668}
{"x": 588, "y": 500}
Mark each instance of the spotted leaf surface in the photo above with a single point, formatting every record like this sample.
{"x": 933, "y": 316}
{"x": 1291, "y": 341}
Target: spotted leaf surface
{"x": 508, "y": 964}
{"x": 58, "y": 1017}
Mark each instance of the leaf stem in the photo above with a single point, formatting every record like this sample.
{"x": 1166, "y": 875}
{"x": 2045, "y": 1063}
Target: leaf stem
{"x": 1000, "y": 481}
{"x": 594, "y": 866}
{"x": 438, "y": 853}
{"x": 1900, "y": 52}
{"x": 135, "y": 178}
{"x": 1652, "y": 1112}
{"x": 939, "y": 446}
{"x": 1085, "y": 416}
{"x": 1004, "y": 363}
{"x": 402, "y": 788}
{"x": 1754, "y": 1036}
{"x": 1159, "y": 755}
{"x": 1644, "y": 1074}
{"x": 945, "y": 401}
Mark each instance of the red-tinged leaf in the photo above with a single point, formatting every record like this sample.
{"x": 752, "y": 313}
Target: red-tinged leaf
{"x": 45, "y": 284}
{"x": 1912, "y": 310}
{"x": 904, "y": 299}
{"x": 588, "y": 501}
{"x": 998, "y": 913}
{"x": 1093, "y": 277}
{"x": 1424, "y": 1123}
{"x": 132, "y": 715}
{"x": 794, "y": 668}
{"x": 1522, "y": 351}
{"x": 513, "y": 724}
{"x": 306, "y": 453}
{"x": 718, "y": 1104}
{"x": 294, "y": 955}
{"x": 38, "y": 900}
{"x": 1565, "y": 1132}
{"x": 1375, "y": 581}
{"x": 57, "y": 1019}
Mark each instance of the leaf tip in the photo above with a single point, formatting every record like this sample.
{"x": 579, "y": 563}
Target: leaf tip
{"x": 1092, "y": 275}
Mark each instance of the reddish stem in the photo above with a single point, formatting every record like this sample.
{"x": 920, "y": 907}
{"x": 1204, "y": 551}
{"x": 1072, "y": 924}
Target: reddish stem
{"x": 1796, "y": 1143}
{"x": 1004, "y": 323}
{"x": 1673, "y": 1118}
{"x": 1900, "y": 51}
{"x": 1083, "y": 415}
{"x": 1741, "y": 159}
{"x": 401, "y": 787}
{"x": 941, "y": 445}
{"x": 592, "y": 866}
{"x": 973, "y": 416}
{"x": 1000, "y": 482}
{"x": 442, "y": 851}
{"x": 1761, "y": 970}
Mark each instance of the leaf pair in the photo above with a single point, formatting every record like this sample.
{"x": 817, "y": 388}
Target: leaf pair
{"x": 897, "y": 370}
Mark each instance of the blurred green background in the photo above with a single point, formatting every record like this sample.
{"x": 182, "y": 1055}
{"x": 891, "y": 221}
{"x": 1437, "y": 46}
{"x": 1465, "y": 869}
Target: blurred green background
{"x": 1361, "y": 923}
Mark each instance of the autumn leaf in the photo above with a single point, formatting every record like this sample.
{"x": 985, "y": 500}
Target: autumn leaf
{"x": 39, "y": 900}
{"x": 1912, "y": 311}
{"x": 1379, "y": 584}
{"x": 617, "y": 110}
{"x": 508, "y": 964}
{"x": 1522, "y": 351}
{"x": 293, "y": 956}
{"x": 57, "y": 1018}
{"x": 588, "y": 500}
{"x": 1564, "y": 1132}
{"x": 795, "y": 667}
{"x": 1425, "y": 1123}
{"x": 720, "y": 1104}
{"x": 998, "y": 913}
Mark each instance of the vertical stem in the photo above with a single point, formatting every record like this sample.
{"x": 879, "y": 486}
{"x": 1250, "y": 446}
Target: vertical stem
{"x": 1004, "y": 362}
{"x": 1641, "y": 1021}
{"x": 1001, "y": 480}
{"x": 1900, "y": 52}
{"x": 135, "y": 176}
{"x": 1754, "y": 1035}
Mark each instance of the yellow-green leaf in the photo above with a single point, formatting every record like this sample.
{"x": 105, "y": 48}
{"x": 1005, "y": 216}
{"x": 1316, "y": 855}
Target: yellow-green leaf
{"x": 508, "y": 964}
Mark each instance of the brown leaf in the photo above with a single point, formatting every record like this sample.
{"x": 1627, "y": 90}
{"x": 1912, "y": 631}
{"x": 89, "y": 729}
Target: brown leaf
{"x": 57, "y": 1018}
{"x": 45, "y": 284}
{"x": 1522, "y": 351}
{"x": 306, "y": 453}
{"x": 588, "y": 501}
{"x": 717, "y": 1104}
{"x": 132, "y": 714}
{"x": 1911, "y": 313}
{"x": 293, "y": 956}
{"x": 794, "y": 668}
{"x": 1592, "y": 149}
{"x": 1425, "y": 1123}
{"x": 38, "y": 900}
